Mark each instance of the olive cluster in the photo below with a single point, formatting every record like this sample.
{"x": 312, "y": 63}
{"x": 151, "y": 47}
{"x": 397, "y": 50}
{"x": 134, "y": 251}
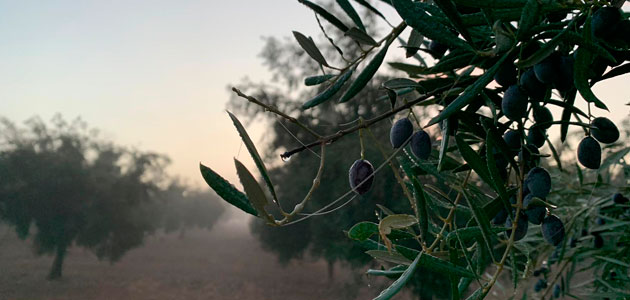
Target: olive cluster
{"x": 536, "y": 187}
{"x": 361, "y": 173}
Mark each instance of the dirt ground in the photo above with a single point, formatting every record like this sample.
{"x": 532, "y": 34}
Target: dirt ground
{"x": 202, "y": 265}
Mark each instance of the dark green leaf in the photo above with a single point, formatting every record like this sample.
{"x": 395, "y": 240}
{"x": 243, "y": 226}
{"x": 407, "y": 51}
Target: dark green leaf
{"x": 325, "y": 14}
{"x": 469, "y": 233}
{"x": 329, "y": 92}
{"x": 317, "y": 79}
{"x": 371, "y": 8}
{"x": 311, "y": 49}
{"x": 226, "y": 190}
{"x": 497, "y": 181}
{"x": 455, "y": 60}
{"x": 393, "y": 289}
{"x": 470, "y": 93}
{"x": 400, "y": 83}
{"x": 429, "y": 26}
{"x": 556, "y": 157}
{"x": 413, "y": 43}
{"x": 543, "y": 52}
{"x": 529, "y": 18}
{"x": 364, "y": 77}
{"x": 393, "y": 257}
{"x": 566, "y": 114}
{"x": 254, "y": 153}
{"x": 474, "y": 160}
{"x": 408, "y": 68}
{"x": 347, "y": 7}
{"x": 482, "y": 220}
{"x": 449, "y": 9}
{"x": 581, "y": 69}
{"x": 421, "y": 201}
{"x": 253, "y": 190}
{"x": 443, "y": 267}
{"x": 360, "y": 36}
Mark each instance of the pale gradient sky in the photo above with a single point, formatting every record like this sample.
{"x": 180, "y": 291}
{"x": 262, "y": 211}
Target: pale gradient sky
{"x": 153, "y": 74}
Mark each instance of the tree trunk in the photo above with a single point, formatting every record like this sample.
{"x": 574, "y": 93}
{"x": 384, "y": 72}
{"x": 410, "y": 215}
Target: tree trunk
{"x": 55, "y": 270}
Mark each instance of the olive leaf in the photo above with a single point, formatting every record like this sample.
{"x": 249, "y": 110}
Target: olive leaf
{"x": 390, "y": 222}
{"x": 311, "y": 49}
{"x": 226, "y": 190}
{"x": 253, "y": 190}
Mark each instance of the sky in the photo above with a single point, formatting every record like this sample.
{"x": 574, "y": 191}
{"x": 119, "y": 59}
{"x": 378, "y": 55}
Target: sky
{"x": 154, "y": 74}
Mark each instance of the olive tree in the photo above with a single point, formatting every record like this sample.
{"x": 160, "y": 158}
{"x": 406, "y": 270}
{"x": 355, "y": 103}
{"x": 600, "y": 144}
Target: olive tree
{"x": 496, "y": 69}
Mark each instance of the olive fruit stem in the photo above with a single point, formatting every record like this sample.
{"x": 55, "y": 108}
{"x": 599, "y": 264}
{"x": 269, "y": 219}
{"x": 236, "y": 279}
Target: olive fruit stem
{"x": 299, "y": 207}
{"x": 333, "y": 137}
{"x": 401, "y": 182}
{"x": 361, "y": 139}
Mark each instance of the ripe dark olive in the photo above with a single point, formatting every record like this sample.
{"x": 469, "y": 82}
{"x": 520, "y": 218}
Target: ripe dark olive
{"x": 513, "y": 139}
{"x": 538, "y": 181}
{"x": 621, "y": 34}
{"x": 530, "y": 155}
{"x": 620, "y": 199}
{"x": 540, "y": 285}
{"x": 421, "y": 144}
{"x": 547, "y": 70}
{"x": 532, "y": 86}
{"x": 500, "y": 217}
{"x": 536, "y": 136}
{"x": 400, "y": 132}
{"x": 437, "y": 49}
{"x": 556, "y": 291}
{"x": 552, "y": 230}
{"x": 535, "y": 214}
{"x": 598, "y": 240}
{"x": 521, "y": 227}
{"x": 514, "y": 104}
{"x": 600, "y": 221}
{"x": 564, "y": 80}
{"x": 604, "y": 20}
{"x": 360, "y": 171}
{"x": 589, "y": 153}
{"x": 506, "y": 74}
{"x": 604, "y": 130}
{"x": 542, "y": 117}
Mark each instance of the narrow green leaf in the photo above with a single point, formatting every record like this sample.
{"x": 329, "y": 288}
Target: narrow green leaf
{"x": 493, "y": 4}
{"x": 614, "y": 158}
{"x": 364, "y": 77}
{"x": 621, "y": 70}
{"x": 416, "y": 17}
{"x": 443, "y": 267}
{"x": 393, "y": 289}
{"x": 421, "y": 200}
{"x": 470, "y": 93}
{"x": 554, "y": 153}
{"x": 449, "y": 9}
{"x": 566, "y": 114}
{"x": 360, "y": 36}
{"x": 581, "y": 68}
{"x": 497, "y": 181}
{"x": 612, "y": 260}
{"x": 226, "y": 190}
{"x": 410, "y": 69}
{"x": 455, "y": 60}
{"x": 413, "y": 43}
{"x": 474, "y": 160}
{"x": 469, "y": 233}
{"x": 253, "y": 190}
{"x": 317, "y": 79}
{"x": 478, "y": 19}
{"x": 446, "y": 136}
{"x": 311, "y": 49}
{"x": 452, "y": 278}
{"x": 393, "y": 257}
{"x": 347, "y": 7}
{"x": 329, "y": 92}
{"x": 254, "y": 153}
{"x": 388, "y": 273}
{"x": 529, "y": 18}
{"x": 390, "y": 222}
{"x": 325, "y": 14}
{"x": 543, "y": 52}
{"x": 364, "y": 230}
{"x": 371, "y": 8}
{"x": 482, "y": 220}
{"x": 400, "y": 83}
